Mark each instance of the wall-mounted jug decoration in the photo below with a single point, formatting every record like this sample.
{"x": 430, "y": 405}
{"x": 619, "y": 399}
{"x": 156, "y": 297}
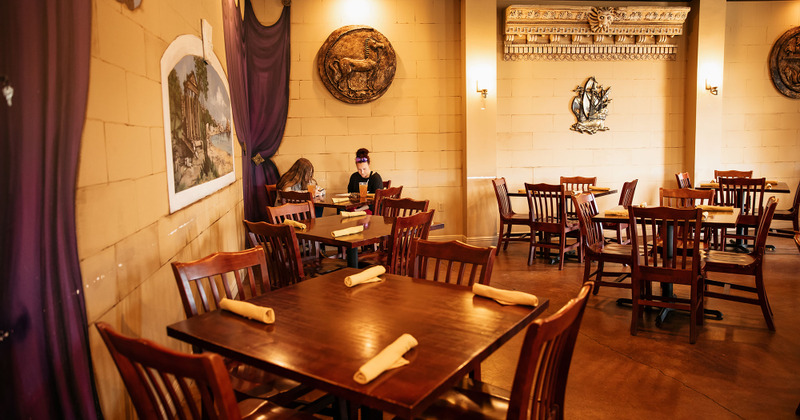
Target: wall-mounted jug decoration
{"x": 356, "y": 64}
{"x": 590, "y": 107}
{"x": 784, "y": 63}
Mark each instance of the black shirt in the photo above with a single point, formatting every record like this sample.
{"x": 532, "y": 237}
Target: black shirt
{"x": 374, "y": 182}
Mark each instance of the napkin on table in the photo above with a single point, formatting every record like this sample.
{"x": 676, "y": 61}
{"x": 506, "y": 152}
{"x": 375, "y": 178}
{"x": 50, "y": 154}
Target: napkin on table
{"x": 593, "y": 188}
{"x": 369, "y": 275}
{"x": 347, "y": 231}
{"x": 248, "y": 310}
{"x": 294, "y": 223}
{"x": 771, "y": 182}
{"x": 708, "y": 207}
{"x": 389, "y": 358}
{"x": 710, "y": 184}
{"x": 613, "y": 213}
{"x": 505, "y": 297}
{"x": 337, "y": 200}
{"x": 353, "y": 213}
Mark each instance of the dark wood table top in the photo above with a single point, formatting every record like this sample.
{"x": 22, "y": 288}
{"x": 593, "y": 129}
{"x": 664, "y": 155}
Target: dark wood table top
{"x": 778, "y": 188}
{"x": 320, "y": 229}
{"x": 603, "y": 193}
{"x": 353, "y": 201}
{"x": 715, "y": 218}
{"x": 325, "y": 331}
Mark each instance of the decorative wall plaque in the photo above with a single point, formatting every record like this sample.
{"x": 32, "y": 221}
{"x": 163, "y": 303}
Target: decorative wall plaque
{"x": 590, "y": 107}
{"x": 592, "y": 33}
{"x": 784, "y": 63}
{"x": 357, "y": 64}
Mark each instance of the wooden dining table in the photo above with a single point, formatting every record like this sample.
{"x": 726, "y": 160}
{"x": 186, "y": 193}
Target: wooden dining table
{"x": 778, "y": 187}
{"x": 343, "y": 201}
{"x": 597, "y": 193}
{"x": 324, "y": 331}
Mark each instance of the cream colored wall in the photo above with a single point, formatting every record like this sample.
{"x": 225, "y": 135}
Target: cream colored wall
{"x": 761, "y": 126}
{"x": 413, "y": 132}
{"x": 126, "y": 236}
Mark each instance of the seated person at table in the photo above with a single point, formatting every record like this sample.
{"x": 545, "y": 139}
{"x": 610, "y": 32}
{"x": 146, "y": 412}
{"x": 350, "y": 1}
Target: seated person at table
{"x": 297, "y": 178}
{"x": 364, "y": 174}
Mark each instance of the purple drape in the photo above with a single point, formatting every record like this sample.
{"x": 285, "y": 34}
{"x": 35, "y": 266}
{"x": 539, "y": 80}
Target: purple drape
{"x": 44, "y": 351}
{"x": 258, "y": 73}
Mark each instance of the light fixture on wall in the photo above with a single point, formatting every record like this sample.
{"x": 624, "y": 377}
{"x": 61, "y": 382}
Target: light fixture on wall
{"x": 483, "y": 93}
{"x": 712, "y": 87}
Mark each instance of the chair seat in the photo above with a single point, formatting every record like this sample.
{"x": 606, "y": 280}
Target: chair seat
{"x": 612, "y": 249}
{"x": 469, "y": 400}
{"x": 255, "y": 409}
{"x": 784, "y": 214}
{"x": 257, "y": 383}
{"x": 715, "y": 260}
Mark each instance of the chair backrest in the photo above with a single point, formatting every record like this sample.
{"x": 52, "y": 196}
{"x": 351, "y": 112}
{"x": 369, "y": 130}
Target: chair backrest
{"x": 763, "y": 228}
{"x": 664, "y": 243}
{"x": 503, "y": 200}
{"x": 292, "y": 211}
{"x": 295, "y": 196}
{"x": 796, "y": 203}
{"x": 626, "y": 195}
{"x": 208, "y": 275}
{"x": 387, "y": 183}
{"x": 383, "y": 194}
{"x": 284, "y": 260}
{"x": 404, "y": 231}
{"x": 732, "y": 174}
{"x": 540, "y": 379}
{"x": 547, "y": 206}
{"x": 684, "y": 198}
{"x": 272, "y": 194}
{"x": 451, "y": 262}
{"x": 684, "y": 181}
{"x": 576, "y": 183}
{"x": 591, "y": 230}
{"x": 164, "y": 383}
{"x": 746, "y": 194}
{"x": 402, "y": 207}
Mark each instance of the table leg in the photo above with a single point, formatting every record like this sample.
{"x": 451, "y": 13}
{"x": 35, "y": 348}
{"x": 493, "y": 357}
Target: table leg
{"x": 352, "y": 257}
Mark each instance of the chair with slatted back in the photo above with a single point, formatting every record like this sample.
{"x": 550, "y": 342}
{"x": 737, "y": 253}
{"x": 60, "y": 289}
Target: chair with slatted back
{"x": 163, "y": 383}
{"x": 689, "y": 198}
{"x": 313, "y": 262}
{"x": 576, "y": 183}
{"x": 746, "y": 194}
{"x": 385, "y": 193}
{"x": 272, "y": 194}
{"x": 404, "y": 231}
{"x": 540, "y": 379}
{"x": 548, "y": 217}
{"x": 508, "y": 218}
{"x": 295, "y": 197}
{"x": 625, "y": 200}
{"x": 236, "y": 275}
{"x": 452, "y": 262}
{"x": 658, "y": 258}
{"x": 402, "y": 207}
{"x": 732, "y": 174}
{"x": 596, "y": 249}
{"x": 284, "y": 262}
{"x": 387, "y": 183}
{"x": 746, "y": 265}
{"x": 684, "y": 181}
{"x": 792, "y": 213}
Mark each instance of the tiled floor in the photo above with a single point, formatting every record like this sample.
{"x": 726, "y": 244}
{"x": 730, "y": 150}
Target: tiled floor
{"x": 737, "y": 368}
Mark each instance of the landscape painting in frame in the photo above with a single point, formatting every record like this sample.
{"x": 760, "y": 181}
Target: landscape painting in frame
{"x": 197, "y": 123}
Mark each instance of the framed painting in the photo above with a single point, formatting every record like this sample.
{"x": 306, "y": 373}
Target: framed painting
{"x": 197, "y": 122}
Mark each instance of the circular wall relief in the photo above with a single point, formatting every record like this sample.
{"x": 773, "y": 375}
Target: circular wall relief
{"x": 784, "y": 63}
{"x": 357, "y": 64}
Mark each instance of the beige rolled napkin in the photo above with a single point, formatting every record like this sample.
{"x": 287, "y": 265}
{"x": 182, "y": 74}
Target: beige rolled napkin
{"x": 389, "y": 358}
{"x": 353, "y": 213}
{"x": 710, "y": 184}
{"x": 593, "y": 188}
{"x": 248, "y": 310}
{"x": 294, "y": 223}
{"x": 369, "y": 275}
{"x": 708, "y": 207}
{"x": 771, "y": 182}
{"x": 347, "y": 231}
{"x": 337, "y": 200}
{"x": 505, "y": 297}
{"x": 615, "y": 213}
{"x": 521, "y": 191}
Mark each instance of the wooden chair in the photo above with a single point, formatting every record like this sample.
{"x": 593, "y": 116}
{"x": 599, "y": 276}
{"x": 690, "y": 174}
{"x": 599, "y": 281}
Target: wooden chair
{"x": 279, "y": 242}
{"x": 272, "y": 194}
{"x": 689, "y": 198}
{"x": 451, "y": 262}
{"x": 746, "y": 194}
{"x": 313, "y": 262}
{"x": 658, "y": 258}
{"x": 732, "y": 174}
{"x": 163, "y": 383}
{"x": 625, "y": 200}
{"x": 576, "y": 183}
{"x": 596, "y": 249}
{"x": 792, "y": 213}
{"x": 548, "y": 218}
{"x": 402, "y": 207}
{"x": 404, "y": 231}
{"x": 508, "y": 218}
{"x": 684, "y": 181}
{"x": 382, "y": 194}
{"x": 540, "y": 379}
{"x": 296, "y": 197}
{"x": 204, "y": 282}
{"x": 387, "y": 183}
{"x": 746, "y": 265}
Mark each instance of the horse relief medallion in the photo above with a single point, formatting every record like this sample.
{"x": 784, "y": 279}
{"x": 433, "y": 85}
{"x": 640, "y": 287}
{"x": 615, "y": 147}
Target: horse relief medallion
{"x": 357, "y": 64}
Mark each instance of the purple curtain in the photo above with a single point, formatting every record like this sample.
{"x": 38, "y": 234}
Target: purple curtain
{"x": 44, "y": 351}
{"x": 258, "y": 74}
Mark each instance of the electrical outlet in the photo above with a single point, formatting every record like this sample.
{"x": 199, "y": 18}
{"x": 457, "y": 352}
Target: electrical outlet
{"x": 439, "y": 206}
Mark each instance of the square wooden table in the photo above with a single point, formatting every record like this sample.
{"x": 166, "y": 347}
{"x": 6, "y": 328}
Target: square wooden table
{"x": 779, "y": 188}
{"x": 352, "y": 201}
{"x": 324, "y": 331}
{"x": 321, "y": 230}
{"x": 599, "y": 193}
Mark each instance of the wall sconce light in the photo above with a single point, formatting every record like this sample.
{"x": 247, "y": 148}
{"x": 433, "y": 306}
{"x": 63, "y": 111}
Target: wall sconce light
{"x": 712, "y": 87}
{"x": 483, "y": 93}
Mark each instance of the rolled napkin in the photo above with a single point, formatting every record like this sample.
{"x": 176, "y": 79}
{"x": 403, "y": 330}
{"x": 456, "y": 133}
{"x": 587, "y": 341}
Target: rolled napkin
{"x": 771, "y": 182}
{"x": 347, "y": 231}
{"x": 505, "y": 297}
{"x": 353, "y": 213}
{"x": 615, "y": 213}
{"x": 389, "y": 358}
{"x": 593, "y": 188}
{"x": 294, "y": 223}
{"x": 248, "y": 310}
{"x": 521, "y": 191}
{"x": 369, "y": 275}
{"x": 710, "y": 184}
{"x": 337, "y": 200}
{"x": 709, "y": 207}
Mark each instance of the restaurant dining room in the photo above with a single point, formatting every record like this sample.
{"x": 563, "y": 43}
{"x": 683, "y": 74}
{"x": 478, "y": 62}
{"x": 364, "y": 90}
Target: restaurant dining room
{"x": 384, "y": 209}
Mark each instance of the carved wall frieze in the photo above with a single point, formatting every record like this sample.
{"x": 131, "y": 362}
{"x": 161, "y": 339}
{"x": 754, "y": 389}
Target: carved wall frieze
{"x": 592, "y": 33}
